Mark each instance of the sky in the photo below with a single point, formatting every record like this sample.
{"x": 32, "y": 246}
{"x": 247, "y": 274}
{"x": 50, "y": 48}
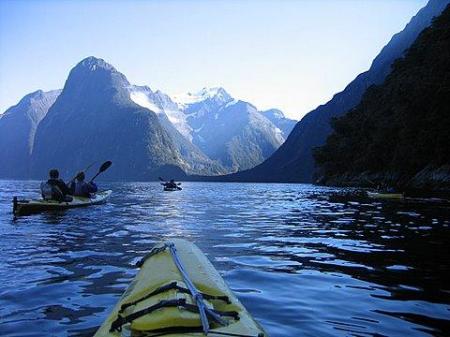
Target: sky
{"x": 288, "y": 54}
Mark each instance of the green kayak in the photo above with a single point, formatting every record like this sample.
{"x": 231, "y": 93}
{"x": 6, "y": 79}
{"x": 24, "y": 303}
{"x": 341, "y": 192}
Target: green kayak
{"x": 26, "y": 207}
{"x": 168, "y": 189}
{"x": 377, "y": 195}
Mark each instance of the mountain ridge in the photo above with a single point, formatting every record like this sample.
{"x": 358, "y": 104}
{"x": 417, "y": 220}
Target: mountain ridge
{"x": 17, "y": 131}
{"x": 293, "y": 161}
{"x": 399, "y": 133}
{"x": 94, "y": 87}
{"x": 94, "y": 115}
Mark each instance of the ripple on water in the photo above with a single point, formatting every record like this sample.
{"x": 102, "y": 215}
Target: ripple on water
{"x": 305, "y": 260}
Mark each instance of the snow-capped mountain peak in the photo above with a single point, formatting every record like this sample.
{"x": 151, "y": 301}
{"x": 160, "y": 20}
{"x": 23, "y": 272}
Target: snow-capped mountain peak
{"x": 274, "y": 113}
{"x": 214, "y": 93}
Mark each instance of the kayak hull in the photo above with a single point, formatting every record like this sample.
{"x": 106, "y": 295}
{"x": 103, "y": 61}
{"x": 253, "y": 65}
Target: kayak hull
{"x": 27, "y": 207}
{"x": 159, "y": 270}
{"x": 170, "y": 189}
{"x": 376, "y": 195}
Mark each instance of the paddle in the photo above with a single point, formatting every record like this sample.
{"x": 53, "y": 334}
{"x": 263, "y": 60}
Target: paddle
{"x": 85, "y": 170}
{"x": 102, "y": 168}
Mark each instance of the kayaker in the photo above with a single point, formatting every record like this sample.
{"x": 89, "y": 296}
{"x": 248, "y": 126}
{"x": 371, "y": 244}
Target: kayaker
{"x": 171, "y": 184}
{"x": 80, "y": 188}
{"x": 55, "y": 188}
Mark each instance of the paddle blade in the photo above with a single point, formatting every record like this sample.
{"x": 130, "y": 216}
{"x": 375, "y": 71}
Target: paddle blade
{"x": 161, "y": 179}
{"x": 105, "y": 166}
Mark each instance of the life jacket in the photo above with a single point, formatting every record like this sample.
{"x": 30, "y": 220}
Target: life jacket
{"x": 51, "y": 192}
{"x": 83, "y": 189}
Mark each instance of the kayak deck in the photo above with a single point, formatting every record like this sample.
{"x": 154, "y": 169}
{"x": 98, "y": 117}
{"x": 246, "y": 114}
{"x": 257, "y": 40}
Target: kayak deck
{"x": 159, "y": 300}
{"x": 27, "y": 207}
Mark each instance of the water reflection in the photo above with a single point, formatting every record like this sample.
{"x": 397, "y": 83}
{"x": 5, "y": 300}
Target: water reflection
{"x": 305, "y": 260}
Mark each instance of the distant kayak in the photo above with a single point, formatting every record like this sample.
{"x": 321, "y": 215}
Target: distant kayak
{"x": 168, "y": 189}
{"x": 377, "y": 195}
{"x": 26, "y": 207}
{"x": 178, "y": 293}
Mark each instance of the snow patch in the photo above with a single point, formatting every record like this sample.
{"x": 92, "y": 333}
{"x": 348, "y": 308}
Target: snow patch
{"x": 140, "y": 98}
{"x": 156, "y": 103}
{"x": 230, "y": 103}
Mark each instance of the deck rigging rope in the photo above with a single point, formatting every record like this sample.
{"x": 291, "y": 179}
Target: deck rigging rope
{"x": 197, "y": 296}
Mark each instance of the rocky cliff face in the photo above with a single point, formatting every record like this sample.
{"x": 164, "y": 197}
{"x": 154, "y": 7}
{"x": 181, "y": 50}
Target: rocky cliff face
{"x": 94, "y": 119}
{"x": 399, "y": 133}
{"x": 293, "y": 161}
{"x": 17, "y": 132}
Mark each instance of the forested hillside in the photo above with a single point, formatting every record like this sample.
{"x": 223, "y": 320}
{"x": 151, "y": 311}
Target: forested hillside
{"x": 399, "y": 133}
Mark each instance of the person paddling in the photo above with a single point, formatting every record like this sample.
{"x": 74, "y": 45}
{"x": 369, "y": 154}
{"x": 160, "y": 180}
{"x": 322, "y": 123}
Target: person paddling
{"x": 55, "y": 188}
{"x": 80, "y": 188}
{"x": 170, "y": 185}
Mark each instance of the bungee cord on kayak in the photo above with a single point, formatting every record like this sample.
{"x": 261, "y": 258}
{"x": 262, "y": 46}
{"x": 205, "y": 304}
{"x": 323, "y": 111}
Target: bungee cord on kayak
{"x": 172, "y": 286}
{"x": 196, "y": 295}
{"x": 176, "y": 303}
{"x": 164, "y": 298}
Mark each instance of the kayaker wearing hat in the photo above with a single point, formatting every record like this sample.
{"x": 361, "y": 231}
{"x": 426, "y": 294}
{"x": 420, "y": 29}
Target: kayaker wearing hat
{"x": 80, "y": 188}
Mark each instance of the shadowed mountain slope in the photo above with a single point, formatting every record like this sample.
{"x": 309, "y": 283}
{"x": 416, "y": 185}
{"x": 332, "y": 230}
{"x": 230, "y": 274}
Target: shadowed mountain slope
{"x": 17, "y": 132}
{"x": 293, "y": 161}
{"x": 399, "y": 133}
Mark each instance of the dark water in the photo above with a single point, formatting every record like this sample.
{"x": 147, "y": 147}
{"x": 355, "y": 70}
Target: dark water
{"x": 304, "y": 261}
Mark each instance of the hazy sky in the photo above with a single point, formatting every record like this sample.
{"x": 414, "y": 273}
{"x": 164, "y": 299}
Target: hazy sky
{"x": 293, "y": 55}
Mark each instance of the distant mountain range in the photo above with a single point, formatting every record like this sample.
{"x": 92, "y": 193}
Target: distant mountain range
{"x": 99, "y": 115}
{"x": 232, "y": 132}
{"x": 293, "y": 161}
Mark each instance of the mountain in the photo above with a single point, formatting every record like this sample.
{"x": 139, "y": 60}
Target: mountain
{"x": 17, "y": 132}
{"x": 280, "y": 121}
{"x": 174, "y": 122}
{"x": 162, "y": 105}
{"x": 94, "y": 119}
{"x": 233, "y": 132}
{"x": 399, "y": 133}
{"x": 293, "y": 161}
{"x": 100, "y": 115}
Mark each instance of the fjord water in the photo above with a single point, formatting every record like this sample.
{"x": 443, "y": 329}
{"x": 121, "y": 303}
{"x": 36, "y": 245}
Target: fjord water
{"x": 304, "y": 260}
